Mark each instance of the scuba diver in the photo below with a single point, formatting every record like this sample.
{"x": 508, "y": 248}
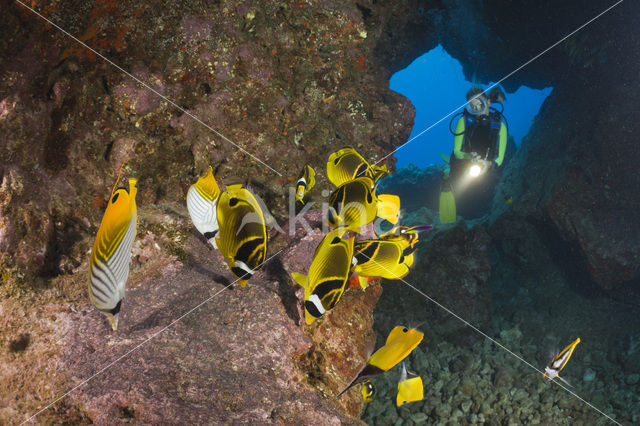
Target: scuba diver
{"x": 479, "y": 145}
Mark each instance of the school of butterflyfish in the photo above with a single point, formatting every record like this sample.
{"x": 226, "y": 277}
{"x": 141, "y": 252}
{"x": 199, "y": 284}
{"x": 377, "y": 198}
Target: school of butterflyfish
{"x": 233, "y": 222}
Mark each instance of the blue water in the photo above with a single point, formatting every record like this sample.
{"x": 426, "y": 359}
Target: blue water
{"x": 436, "y": 86}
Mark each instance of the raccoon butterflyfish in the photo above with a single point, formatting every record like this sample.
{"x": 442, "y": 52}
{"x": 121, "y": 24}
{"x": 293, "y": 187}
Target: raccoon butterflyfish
{"x": 328, "y": 274}
{"x": 355, "y": 204}
{"x": 410, "y": 388}
{"x": 405, "y": 235}
{"x": 305, "y": 182}
{"x": 400, "y": 342}
{"x": 379, "y": 258}
{"x": 368, "y": 391}
{"x": 111, "y": 254}
{"x": 558, "y": 363}
{"x": 347, "y": 164}
{"x": 242, "y": 238}
{"x": 202, "y": 200}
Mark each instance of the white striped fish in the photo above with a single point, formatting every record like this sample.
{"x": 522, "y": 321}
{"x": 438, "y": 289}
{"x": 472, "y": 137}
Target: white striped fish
{"x": 111, "y": 254}
{"x": 202, "y": 200}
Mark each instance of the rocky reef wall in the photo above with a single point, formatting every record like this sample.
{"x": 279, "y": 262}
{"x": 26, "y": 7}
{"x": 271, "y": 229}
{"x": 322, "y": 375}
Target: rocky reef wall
{"x": 257, "y": 89}
{"x": 289, "y": 82}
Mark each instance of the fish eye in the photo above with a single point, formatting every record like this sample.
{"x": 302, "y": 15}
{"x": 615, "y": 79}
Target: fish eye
{"x": 404, "y": 330}
{"x": 233, "y": 202}
{"x": 336, "y": 240}
{"x": 115, "y": 197}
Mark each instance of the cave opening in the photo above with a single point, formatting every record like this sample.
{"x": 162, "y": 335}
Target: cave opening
{"x": 436, "y": 86}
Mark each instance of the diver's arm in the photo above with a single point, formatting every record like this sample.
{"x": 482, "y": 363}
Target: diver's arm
{"x": 457, "y": 140}
{"x": 503, "y": 144}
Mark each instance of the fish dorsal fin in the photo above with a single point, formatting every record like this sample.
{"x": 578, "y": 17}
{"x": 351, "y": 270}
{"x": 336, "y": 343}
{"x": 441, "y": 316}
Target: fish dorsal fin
{"x": 115, "y": 185}
{"x": 312, "y": 177}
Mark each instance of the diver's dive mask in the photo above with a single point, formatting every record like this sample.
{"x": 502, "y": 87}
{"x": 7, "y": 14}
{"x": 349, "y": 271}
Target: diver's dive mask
{"x": 478, "y": 105}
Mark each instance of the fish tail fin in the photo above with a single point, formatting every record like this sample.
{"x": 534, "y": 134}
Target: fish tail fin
{"x": 332, "y": 217}
{"x": 301, "y": 279}
{"x": 364, "y": 282}
{"x": 213, "y": 242}
{"x": 308, "y": 317}
{"x": 113, "y": 320}
{"x": 444, "y": 157}
{"x": 389, "y": 207}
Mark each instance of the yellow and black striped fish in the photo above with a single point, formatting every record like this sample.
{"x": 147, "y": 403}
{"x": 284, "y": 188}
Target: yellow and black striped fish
{"x": 368, "y": 391}
{"x": 407, "y": 236}
{"x": 355, "y": 204}
{"x": 305, "y": 182}
{"x": 379, "y": 258}
{"x": 111, "y": 254}
{"x": 202, "y": 200}
{"x": 242, "y": 238}
{"x": 328, "y": 274}
{"x": 400, "y": 343}
{"x": 347, "y": 164}
{"x": 410, "y": 388}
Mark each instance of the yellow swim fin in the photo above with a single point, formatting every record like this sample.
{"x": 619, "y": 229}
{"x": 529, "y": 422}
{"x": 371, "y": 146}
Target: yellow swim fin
{"x": 389, "y": 207}
{"x": 447, "y": 206}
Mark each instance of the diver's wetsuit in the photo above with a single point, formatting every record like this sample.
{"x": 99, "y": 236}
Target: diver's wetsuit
{"x": 484, "y": 135}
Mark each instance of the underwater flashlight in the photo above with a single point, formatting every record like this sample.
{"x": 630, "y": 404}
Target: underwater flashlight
{"x": 474, "y": 171}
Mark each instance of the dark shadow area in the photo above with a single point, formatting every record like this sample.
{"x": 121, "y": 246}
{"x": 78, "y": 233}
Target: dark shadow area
{"x": 275, "y": 271}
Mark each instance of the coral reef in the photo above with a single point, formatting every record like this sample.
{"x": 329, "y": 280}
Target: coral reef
{"x": 279, "y": 83}
{"x": 289, "y": 82}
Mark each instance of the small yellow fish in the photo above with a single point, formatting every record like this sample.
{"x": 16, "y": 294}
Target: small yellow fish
{"x": 558, "y": 363}
{"x": 305, "y": 182}
{"x": 355, "y": 204}
{"x": 405, "y": 235}
{"x": 400, "y": 343}
{"x": 202, "y": 200}
{"x": 347, "y": 164}
{"x": 380, "y": 258}
{"x": 111, "y": 254}
{"x": 368, "y": 391}
{"x": 410, "y": 388}
{"x": 242, "y": 239}
{"x": 328, "y": 274}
